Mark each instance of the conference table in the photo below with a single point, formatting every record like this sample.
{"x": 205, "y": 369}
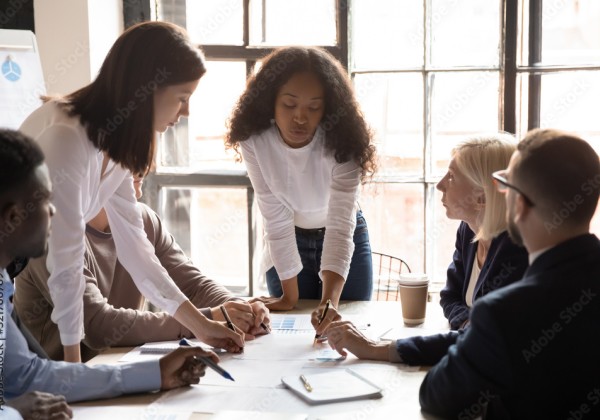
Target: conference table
{"x": 258, "y": 391}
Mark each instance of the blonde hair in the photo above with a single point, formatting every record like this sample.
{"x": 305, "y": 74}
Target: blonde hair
{"x": 477, "y": 158}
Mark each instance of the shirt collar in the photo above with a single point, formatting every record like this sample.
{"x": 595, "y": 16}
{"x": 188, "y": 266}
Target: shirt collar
{"x": 534, "y": 255}
{"x": 7, "y": 288}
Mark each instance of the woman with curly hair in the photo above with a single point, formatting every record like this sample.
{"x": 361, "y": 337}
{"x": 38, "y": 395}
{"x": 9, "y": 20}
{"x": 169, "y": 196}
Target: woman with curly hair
{"x": 307, "y": 147}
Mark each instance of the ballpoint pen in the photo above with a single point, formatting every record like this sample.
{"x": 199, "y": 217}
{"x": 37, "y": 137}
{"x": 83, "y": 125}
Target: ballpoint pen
{"x": 308, "y": 387}
{"x": 208, "y": 361}
{"x": 317, "y": 336}
{"x": 227, "y": 319}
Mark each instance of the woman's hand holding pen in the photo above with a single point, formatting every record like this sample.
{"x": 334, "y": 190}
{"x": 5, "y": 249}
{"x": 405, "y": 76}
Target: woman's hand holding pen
{"x": 181, "y": 368}
{"x": 251, "y": 318}
{"x": 211, "y": 332}
{"x": 321, "y": 319}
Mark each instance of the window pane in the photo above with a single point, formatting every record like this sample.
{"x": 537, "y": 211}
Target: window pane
{"x": 394, "y": 214}
{"x": 462, "y": 104}
{"x": 570, "y": 32}
{"x": 393, "y": 106}
{"x": 211, "y": 226}
{"x": 388, "y": 36}
{"x": 569, "y": 101}
{"x": 200, "y": 144}
{"x": 465, "y": 33}
{"x": 215, "y": 21}
{"x": 302, "y": 22}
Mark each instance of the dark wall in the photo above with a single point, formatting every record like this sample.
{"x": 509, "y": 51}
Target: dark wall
{"x": 16, "y": 14}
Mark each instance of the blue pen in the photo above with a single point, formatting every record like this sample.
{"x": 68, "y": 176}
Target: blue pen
{"x": 208, "y": 361}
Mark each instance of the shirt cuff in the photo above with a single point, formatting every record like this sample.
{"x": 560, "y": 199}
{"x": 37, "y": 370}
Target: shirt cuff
{"x": 141, "y": 376}
{"x": 206, "y": 312}
{"x": 71, "y": 339}
{"x": 288, "y": 274}
{"x": 393, "y": 354}
{"x": 9, "y": 413}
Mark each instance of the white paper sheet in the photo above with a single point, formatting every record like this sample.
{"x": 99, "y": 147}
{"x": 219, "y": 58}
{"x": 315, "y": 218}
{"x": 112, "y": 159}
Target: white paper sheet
{"x": 130, "y": 413}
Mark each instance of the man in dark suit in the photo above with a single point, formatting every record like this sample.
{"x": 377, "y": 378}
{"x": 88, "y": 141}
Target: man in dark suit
{"x": 532, "y": 349}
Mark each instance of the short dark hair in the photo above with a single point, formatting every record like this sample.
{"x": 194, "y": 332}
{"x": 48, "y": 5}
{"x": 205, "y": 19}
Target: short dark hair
{"x": 19, "y": 157}
{"x": 347, "y": 135}
{"x": 560, "y": 173}
{"x": 117, "y": 108}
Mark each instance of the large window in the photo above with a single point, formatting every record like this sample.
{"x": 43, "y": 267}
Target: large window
{"x": 427, "y": 74}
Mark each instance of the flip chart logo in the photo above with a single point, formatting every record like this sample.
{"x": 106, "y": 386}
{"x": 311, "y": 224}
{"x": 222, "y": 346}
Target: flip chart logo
{"x": 11, "y": 70}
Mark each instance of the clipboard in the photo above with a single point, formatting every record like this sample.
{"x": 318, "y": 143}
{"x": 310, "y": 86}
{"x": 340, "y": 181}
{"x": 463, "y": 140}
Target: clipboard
{"x": 332, "y": 385}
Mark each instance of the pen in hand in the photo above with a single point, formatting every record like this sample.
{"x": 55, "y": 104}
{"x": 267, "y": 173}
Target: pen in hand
{"x": 227, "y": 319}
{"x": 317, "y": 336}
{"x": 208, "y": 361}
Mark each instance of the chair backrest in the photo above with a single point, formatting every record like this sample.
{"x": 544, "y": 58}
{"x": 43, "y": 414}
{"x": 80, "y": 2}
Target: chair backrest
{"x": 386, "y": 273}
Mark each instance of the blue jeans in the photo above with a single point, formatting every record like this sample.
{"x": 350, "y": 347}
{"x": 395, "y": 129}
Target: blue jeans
{"x": 359, "y": 284}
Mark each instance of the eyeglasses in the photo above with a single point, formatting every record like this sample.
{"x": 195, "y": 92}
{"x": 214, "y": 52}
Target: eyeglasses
{"x": 502, "y": 185}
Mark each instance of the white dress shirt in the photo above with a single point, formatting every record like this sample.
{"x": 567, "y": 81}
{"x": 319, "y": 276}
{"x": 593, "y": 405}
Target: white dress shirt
{"x": 307, "y": 188}
{"x": 79, "y": 192}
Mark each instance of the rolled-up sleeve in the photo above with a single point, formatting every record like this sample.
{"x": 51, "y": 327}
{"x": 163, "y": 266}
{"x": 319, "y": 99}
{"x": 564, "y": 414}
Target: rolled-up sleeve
{"x": 338, "y": 245}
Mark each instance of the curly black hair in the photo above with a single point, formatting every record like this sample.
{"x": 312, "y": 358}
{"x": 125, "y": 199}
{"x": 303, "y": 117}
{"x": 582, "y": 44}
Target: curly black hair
{"x": 347, "y": 135}
{"x": 19, "y": 157}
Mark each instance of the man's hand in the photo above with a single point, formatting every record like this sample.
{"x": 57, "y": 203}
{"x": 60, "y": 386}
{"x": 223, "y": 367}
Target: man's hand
{"x": 343, "y": 335}
{"x": 181, "y": 368}
{"x": 41, "y": 405}
{"x": 262, "y": 321}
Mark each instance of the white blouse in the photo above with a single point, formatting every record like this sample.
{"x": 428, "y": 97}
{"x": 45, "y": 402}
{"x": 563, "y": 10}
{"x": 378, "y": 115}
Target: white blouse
{"x": 79, "y": 192}
{"x": 307, "y": 188}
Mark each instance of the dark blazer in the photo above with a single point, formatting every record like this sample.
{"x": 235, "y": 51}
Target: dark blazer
{"x": 532, "y": 349}
{"x": 504, "y": 264}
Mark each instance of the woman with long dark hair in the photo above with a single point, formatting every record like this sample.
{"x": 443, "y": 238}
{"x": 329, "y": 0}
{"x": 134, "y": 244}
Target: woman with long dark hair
{"x": 94, "y": 139}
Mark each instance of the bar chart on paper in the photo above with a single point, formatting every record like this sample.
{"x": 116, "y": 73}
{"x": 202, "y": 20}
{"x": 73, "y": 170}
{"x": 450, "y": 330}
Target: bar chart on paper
{"x": 291, "y": 324}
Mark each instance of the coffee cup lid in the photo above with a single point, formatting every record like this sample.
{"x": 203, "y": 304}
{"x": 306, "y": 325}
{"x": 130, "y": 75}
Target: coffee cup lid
{"x": 413, "y": 279}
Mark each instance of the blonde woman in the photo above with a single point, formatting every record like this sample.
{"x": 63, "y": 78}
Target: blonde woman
{"x": 485, "y": 259}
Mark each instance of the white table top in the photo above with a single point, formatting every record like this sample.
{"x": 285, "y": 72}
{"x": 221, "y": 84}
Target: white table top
{"x": 258, "y": 390}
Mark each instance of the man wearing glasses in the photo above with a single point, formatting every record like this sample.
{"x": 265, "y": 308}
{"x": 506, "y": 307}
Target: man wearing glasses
{"x": 532, "y": 348}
